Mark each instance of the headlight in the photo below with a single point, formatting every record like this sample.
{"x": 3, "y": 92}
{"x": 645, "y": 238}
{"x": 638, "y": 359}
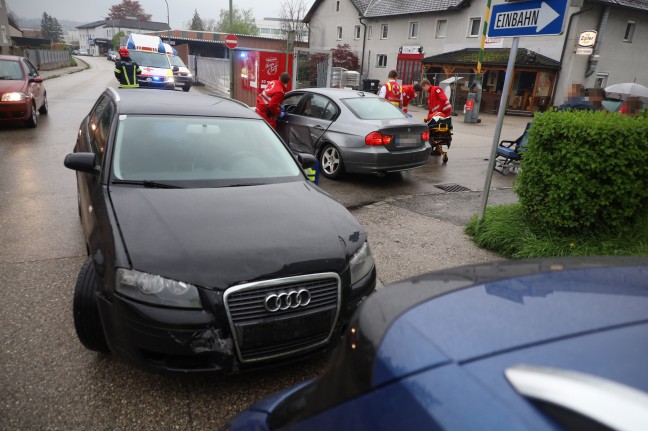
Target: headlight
{"x": 155, "y": 289}
{"x": 169, "y": 79}
{"x": 361, "y": 263}
{"x": 189, "y": 75}
{"x": 13, "y": 97}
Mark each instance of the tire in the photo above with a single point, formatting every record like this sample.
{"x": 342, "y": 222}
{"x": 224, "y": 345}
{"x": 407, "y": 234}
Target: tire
{"x": 186, "y": 88}
{"x": 32, "y": 122}
{"x": 44, "y": 109}
{"x": 331, "y": 164}
{"x": 86, "y": 312}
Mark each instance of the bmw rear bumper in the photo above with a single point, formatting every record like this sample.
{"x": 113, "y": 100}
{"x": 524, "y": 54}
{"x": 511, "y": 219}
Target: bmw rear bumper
{"x": 375, "y": 159}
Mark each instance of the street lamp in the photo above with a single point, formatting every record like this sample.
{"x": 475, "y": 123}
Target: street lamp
{"x": 168, "y": 25}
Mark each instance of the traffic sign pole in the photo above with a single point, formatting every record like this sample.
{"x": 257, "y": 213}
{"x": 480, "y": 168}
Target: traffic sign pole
{"x": 498, "y": 129}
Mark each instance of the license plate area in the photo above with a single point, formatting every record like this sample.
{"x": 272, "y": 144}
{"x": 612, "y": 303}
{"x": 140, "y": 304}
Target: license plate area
{"x": 285, "y": 331}
{"x": 408, "y": 140}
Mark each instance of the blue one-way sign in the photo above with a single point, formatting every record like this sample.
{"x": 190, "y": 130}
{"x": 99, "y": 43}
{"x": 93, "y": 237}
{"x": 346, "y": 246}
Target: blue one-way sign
{"x": 527, "y": 18}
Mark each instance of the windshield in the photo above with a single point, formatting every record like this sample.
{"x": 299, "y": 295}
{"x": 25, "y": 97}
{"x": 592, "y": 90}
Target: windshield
{"x": 150, "y": 59}
{"x": 11, "y": 70}
{"x": 373, "y": 108}
{"x": 176, "y": 61}
{"x": 200, "y": 152}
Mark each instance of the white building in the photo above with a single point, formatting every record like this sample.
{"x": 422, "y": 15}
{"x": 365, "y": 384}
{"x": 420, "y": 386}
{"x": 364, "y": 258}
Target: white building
{"x": 387, "y": 33}
{"x": 96, "y": 37}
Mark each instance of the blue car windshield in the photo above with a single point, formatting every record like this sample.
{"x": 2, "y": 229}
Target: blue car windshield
{"x": 200, "y": 151}
{"x": 373, "y": 108}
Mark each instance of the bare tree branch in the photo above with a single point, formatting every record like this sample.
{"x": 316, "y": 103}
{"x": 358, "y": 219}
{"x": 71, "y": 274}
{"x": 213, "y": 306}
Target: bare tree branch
{"x": 292, "y": 14}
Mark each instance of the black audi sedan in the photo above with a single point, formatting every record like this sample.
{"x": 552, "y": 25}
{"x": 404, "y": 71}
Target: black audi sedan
{"x": 208, "y": 248}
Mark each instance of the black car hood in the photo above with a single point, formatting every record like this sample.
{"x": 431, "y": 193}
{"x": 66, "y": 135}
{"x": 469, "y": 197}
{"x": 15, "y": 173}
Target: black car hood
{"x": 218, "y": 237}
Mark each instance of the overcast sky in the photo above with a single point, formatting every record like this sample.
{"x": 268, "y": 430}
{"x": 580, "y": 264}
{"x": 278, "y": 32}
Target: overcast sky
{"x": 180, "y": 11}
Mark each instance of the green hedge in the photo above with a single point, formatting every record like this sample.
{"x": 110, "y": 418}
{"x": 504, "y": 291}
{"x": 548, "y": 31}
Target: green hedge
{"x": 585, "y": 171}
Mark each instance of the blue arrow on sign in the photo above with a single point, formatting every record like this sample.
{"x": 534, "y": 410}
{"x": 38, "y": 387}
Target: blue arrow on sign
{"x": 528, "y": 18}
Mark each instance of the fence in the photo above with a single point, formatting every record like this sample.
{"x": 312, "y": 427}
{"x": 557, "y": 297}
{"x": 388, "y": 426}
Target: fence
{"x": 48, "y": 59}
{"x": 312, "y": 68}
{"x": 214, "y": 73}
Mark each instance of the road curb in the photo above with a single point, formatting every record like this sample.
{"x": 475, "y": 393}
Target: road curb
{"x": 87, "y": 66}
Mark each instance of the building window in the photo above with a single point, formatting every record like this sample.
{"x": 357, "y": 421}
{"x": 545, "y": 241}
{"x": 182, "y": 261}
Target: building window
{"x": 337, "y": 6}
{"x": 384, "y": 31}
{"x": 4, "y": 35}
{"x": 442, "y": 25}
{"x": 413, "y": 30}
{"x": 629, "y": 31}
{"x": 601, "y": 80}
{"x": 370, "y": 32}
{"x": 381, "y": 60}
{"x": 357, "y": 32}
{"x": 473, "y": 28}
{"x": 339, "y": 33}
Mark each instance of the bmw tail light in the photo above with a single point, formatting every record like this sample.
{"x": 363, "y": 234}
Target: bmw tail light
{"x": 425, "y": 136}
{"x": 377, "y": 138}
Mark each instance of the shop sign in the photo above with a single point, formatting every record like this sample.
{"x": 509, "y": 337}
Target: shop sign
{"x": 587, "y": 39}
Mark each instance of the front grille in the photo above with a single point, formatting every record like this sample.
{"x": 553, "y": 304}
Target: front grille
{"x": 262, "y": 334}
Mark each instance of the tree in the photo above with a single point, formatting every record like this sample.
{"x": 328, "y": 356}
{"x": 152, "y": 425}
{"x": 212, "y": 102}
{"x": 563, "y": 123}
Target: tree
{"x": 242, "y": 22}
{"x": 128, "y": 9}
{"x": 344, "y": 57}
{"x": 50, "y": 28}
{"x": 292, "y": 14}
{"x": 196, "y": 22}
{"x": 115, "y": 40}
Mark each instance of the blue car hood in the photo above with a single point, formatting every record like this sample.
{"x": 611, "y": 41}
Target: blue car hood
{"x": 509, "y": 314}
{"x": 219, "y": 237}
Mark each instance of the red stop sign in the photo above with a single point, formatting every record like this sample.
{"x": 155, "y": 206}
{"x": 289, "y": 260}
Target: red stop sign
{"x": 231, "y": 41}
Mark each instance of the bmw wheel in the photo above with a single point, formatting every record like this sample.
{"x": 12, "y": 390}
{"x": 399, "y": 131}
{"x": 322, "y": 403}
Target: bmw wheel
{"x": 31, "y": 122}
{"x": 331, "y": 162}
{"x": 86, "y": 312}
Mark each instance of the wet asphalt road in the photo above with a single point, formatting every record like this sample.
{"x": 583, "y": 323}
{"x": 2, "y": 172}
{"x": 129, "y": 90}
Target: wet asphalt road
{"x": 49, "y": 381}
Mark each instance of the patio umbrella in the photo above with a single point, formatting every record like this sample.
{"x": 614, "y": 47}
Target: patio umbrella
{"x": 627, "y": 89}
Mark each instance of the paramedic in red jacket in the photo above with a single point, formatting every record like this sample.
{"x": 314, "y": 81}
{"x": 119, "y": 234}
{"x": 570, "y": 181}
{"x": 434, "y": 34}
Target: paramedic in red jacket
{"x": 409, "y": 93}
{"x": 392, "y": 90}
{"x": 269, "y": 101}
{"x": 437, "y": 100}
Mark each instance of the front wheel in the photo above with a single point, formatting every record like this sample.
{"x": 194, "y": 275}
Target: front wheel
{"x": 331, "y": 162}
{"x": 32, "y": 122}
{"x": 44, "y": 109}
{"x": 86, "y": 312}
{"x": 186, "y": 88}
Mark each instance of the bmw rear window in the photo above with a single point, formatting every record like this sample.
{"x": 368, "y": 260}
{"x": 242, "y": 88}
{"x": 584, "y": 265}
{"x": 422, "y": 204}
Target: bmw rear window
{"x": 373, "y": 108}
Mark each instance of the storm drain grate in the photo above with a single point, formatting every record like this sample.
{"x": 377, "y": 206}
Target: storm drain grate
{"x": 452, "y": 188}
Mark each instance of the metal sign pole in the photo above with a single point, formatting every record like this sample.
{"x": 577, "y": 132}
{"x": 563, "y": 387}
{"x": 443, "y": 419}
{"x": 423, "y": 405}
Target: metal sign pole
{"x": 231, "y": 51}
{"x": 498, "y": 129}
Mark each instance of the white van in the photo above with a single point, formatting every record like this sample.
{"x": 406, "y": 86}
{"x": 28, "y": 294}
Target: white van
{"x": 149, "y": 53}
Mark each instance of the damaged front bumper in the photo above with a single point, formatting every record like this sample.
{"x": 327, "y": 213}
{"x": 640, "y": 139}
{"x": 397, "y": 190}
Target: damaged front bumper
{"x": 167, "y": 340}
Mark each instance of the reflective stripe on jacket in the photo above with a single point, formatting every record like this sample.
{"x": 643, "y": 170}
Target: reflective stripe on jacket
{"x": 126, "y": 73}
{"x": 393, "y": 93}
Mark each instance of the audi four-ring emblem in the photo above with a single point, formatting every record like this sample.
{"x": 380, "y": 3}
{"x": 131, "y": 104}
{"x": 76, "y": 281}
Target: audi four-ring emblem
{"x": 285, "y": 300}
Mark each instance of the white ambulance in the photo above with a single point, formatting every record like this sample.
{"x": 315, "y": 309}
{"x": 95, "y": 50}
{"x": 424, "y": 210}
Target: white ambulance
{"x": 149, "y": 53}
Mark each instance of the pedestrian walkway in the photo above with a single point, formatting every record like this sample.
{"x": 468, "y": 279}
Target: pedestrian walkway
{"x": 55, "y": 73}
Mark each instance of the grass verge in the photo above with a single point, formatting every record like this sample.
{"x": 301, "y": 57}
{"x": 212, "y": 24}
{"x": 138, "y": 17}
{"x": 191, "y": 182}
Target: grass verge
{"x": 506, "y": 231}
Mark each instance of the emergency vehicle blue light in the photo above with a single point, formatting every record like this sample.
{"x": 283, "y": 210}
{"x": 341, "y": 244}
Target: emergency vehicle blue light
{"x": 243, "y": 54}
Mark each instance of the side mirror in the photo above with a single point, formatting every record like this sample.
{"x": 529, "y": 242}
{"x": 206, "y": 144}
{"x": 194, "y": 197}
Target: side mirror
{"x": 82, "y": 162}
{"x": 36, "y": 80}
{"x": 306, "y": 160}
{"x": 175, "y": 68}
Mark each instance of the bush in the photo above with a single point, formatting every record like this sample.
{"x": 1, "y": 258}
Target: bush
{"x": 584, "y": 171}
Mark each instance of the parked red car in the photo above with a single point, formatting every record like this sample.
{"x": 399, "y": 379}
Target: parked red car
{"x": 22, "y": 92}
